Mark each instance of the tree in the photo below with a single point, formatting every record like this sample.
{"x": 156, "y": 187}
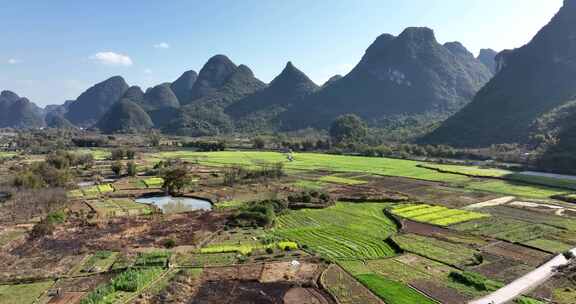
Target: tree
{"x": 131, "y": 169}
{"x": 259, "y": 143}
{"x": 117, "y": 168}
{"x": 176, "y": 180}
{"x": 348, "y": 128}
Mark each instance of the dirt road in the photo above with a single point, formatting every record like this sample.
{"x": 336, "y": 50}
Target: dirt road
{"x": 526, "y": 283}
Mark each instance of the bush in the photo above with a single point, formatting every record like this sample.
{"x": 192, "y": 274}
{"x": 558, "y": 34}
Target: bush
{"x": 57, "y": 217}
{"x": 169, "y": 243}
{"x": 269, "y": 250}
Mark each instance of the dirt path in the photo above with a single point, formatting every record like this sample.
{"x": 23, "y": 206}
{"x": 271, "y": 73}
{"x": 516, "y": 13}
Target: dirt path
{"x": 524, "y": 284}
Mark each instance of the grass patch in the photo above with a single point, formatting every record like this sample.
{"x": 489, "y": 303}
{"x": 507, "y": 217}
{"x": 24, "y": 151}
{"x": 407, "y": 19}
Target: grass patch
{"x": 392, "y": 292}
{"x": 202, "y": 260}
{"x": 436, "y": 215}
{"x": 343, "y": 231}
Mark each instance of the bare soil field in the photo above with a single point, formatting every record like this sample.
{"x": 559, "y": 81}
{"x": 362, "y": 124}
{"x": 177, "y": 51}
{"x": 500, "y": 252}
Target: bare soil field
{"x": 125, "y": 233}
{"x": 516, "y": 252}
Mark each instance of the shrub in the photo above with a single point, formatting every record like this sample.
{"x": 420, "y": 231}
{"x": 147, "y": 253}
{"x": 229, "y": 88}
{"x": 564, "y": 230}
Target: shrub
{"x": 169, "y": 243}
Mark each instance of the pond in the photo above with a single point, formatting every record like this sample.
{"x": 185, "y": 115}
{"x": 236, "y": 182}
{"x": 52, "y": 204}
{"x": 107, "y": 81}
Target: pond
{"x": 170, "y": 204}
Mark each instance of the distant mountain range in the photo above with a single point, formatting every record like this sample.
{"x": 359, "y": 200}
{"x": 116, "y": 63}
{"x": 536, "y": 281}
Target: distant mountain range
{"x": 533, "y": 85}
{"x": 406, "y": 75}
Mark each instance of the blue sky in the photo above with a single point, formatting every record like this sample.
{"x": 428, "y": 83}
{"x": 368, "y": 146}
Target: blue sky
{"x": 52, "y": 50}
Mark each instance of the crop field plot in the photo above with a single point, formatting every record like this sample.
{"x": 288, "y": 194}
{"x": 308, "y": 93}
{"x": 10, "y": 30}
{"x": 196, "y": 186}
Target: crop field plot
{"x": 153, "y": 182}
{"x": 23, "y": 293}
{"x": 434, "y": 249}
{"x": 436, "y": 215}
{"x": 392, "y": 292}
{"x": 312, "y": 161}
{"x": 101, "y": 261}
{"x": 247, "y": 248}
{"x": 98, "y": 154}
{"x": 413, "y": 270}
{"x": 125, "y": 286}
{"x": 202, "y": 260}
{"x": 345, "y": 288}
{"x": 120, "y": 207}
{"x": 344, "y": 231}
{"x": 91, "y": 192}
{"x": 515, "y": 188}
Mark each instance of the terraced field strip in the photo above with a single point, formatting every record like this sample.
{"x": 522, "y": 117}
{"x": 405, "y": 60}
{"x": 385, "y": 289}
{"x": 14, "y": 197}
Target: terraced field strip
{"x": 344, "y": 231}
{"x": 436, "y": 215}
{"x": 314, "y": 161}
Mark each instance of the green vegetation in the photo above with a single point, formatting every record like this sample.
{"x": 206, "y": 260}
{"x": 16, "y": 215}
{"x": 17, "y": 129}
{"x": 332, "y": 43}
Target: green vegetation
{"x": 436, "y": 215}
{"x": 23, "y": 293}
{"x": 515, "y": 188}
{"x": 312, "y": 161}
{"x": 247, "y": 249}
{"x": 91, "y": 192}
{"x": 344, "y": 231}
{"x": 392, "y": 292}
{"x": 123, "y": 286}
{"x": 154, "y": 182}
{"x": 7, "y": 154}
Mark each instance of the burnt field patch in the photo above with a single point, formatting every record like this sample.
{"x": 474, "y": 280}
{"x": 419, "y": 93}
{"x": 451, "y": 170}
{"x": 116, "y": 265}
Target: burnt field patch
{"x": 124, "y": 233}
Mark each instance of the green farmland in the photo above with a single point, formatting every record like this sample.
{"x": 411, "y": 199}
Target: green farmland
{"x": 392, "y": 292}
{"x": 345, "y": 231}
{"x": 313, "y": 161}
{"x": 527, "y": 186}
{"x": 436, "y": 215}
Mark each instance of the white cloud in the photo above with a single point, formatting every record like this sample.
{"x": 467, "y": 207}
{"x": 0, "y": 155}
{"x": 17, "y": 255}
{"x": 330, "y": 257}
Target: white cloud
{"x": 14, "y": 61}
{"x": 162, "y": 45}
{"x": 112, "y": 58}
